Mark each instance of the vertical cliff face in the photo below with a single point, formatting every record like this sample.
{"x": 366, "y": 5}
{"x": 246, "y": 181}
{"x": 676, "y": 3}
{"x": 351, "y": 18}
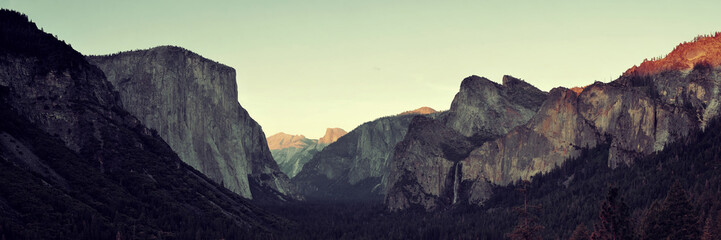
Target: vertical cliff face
{"x": 483, "y": 108}
{"x": 555, "y": 133}
{"x": 426, "y": 169}
{"x": 192, "y": 103}
{"x": 353, "y": 166}
{"x": 81, "y": 158}
{"x": 634, "y": 117}
{"x": 637, "y": 114}
{"x": 424, "y": 166}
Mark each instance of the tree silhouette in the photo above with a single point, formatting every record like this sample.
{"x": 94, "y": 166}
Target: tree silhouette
{"x": 710, "y": 230}
{"x": 613, "y": 219}
{"x": 672, "y": 219}
{"x": 581, "y": 233}
{"x": 527, "y": 228}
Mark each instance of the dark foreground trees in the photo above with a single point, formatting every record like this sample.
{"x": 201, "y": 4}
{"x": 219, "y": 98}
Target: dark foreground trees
{"x": 672, "y": 218}
{"x": 527, "y": 228}
{"x": 613, "y": 217}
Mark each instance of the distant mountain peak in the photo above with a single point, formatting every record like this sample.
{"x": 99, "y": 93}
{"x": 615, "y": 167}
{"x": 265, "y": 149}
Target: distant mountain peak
{"x": 703, "y": 50}
{"x": 331, "y": 135}
{"x": 422, "y": 111}
{"x": 283, "y": 140}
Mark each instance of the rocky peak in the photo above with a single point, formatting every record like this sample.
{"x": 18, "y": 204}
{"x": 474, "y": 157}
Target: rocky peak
{"x": 331, "y": 135}
{"x": 192, "y": 102}
{"x": 483, "y": 108}
{"x": 702, "y": 51}
{"x": 512, "y": 82}
{"x": 577, "y": 90}
{"x": 428, "y": 165}
{"x": 283, "y": 140}
{"x": 523, "y": 93}
{"x": 420, "y": 111}
{"x": 476, "y": 83}
{"x": 101, "y": 162}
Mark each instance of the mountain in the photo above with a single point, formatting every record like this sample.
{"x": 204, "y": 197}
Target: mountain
{"x": 284, "y": 140}
{"x": 421, "y": 110}
{"x": 353, "y": 167}
{"x": 425, "y": 169}
{"x": 645, "y": 109}
{"x": 703, "y": 50}
{"x": 192, "y": 103}
{"x": 291, "y": 152}
{"x": 75, "y": 165}
{"x": 331, "y": 135}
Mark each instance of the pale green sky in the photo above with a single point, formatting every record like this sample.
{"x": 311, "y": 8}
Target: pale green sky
{"x": 303, "y": 66}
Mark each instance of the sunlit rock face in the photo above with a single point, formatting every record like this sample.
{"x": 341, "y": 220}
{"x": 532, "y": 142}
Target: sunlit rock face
{"x": 292, "y": 152}
{"x": 421, "y": 110}
{"x": 646, "y": 108}
{"x": 353, "y": 167}
{"x": 331, "y": 135}
{"x": 284, "y": 140}
{"x": 192, "y": 103}
{"x": 427, "y": 170}
{"x": 702, "y": 50}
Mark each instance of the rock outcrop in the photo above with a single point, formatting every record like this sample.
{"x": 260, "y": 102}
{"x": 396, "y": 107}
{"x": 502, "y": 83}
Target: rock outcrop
{"x": 704, "y": 50}
{"x": 426, "y": 168}
{"x": 71, "y": 156}
{"x": 421, "y": 110}
{"x": 331, "y": 135}
{"x": 483, "y": 109}
{"x": 637, "y": 114}
{"x": 291, "y": 152}
{"x": 353, "y": 167}
{"x": 192, "y": 103}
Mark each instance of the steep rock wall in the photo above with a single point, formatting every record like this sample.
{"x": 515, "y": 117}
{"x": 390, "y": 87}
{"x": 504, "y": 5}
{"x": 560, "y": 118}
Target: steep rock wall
{"x": 192, "y": 103}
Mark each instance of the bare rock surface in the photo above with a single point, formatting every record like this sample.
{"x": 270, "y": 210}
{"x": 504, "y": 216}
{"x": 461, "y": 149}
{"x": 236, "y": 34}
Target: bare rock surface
{"x": 192, "y": 103}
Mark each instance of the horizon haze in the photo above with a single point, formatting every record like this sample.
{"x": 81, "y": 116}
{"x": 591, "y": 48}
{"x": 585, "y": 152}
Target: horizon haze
{"x": 304, "y": 67}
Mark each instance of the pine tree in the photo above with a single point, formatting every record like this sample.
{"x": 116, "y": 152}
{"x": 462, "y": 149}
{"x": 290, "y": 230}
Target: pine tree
{"x": 613, "y": 219}
{"x": 527, "y": 228}
{"x": 581, "y": 233}
{"x": 709, "y": 230}
{"x": 651, "y": 229}
{"x": 672, "y": 219}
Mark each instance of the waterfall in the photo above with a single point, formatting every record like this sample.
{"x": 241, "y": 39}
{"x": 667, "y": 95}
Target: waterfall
{"x": 456, "y": 182}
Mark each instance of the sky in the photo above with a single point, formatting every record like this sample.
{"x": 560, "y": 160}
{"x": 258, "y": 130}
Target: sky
{"x": 304, "y": 66}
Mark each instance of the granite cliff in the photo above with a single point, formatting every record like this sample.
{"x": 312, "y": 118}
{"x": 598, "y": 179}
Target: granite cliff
{"x": 75, "y": 165}
{"x": 353, "y": 167}
{"x": 639, "y": 113}
{"x": 331, "y": 135}
{"x": 192, "y": 103}
{"x": 291, "y": 152}
{"x": 426, "y": 167}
